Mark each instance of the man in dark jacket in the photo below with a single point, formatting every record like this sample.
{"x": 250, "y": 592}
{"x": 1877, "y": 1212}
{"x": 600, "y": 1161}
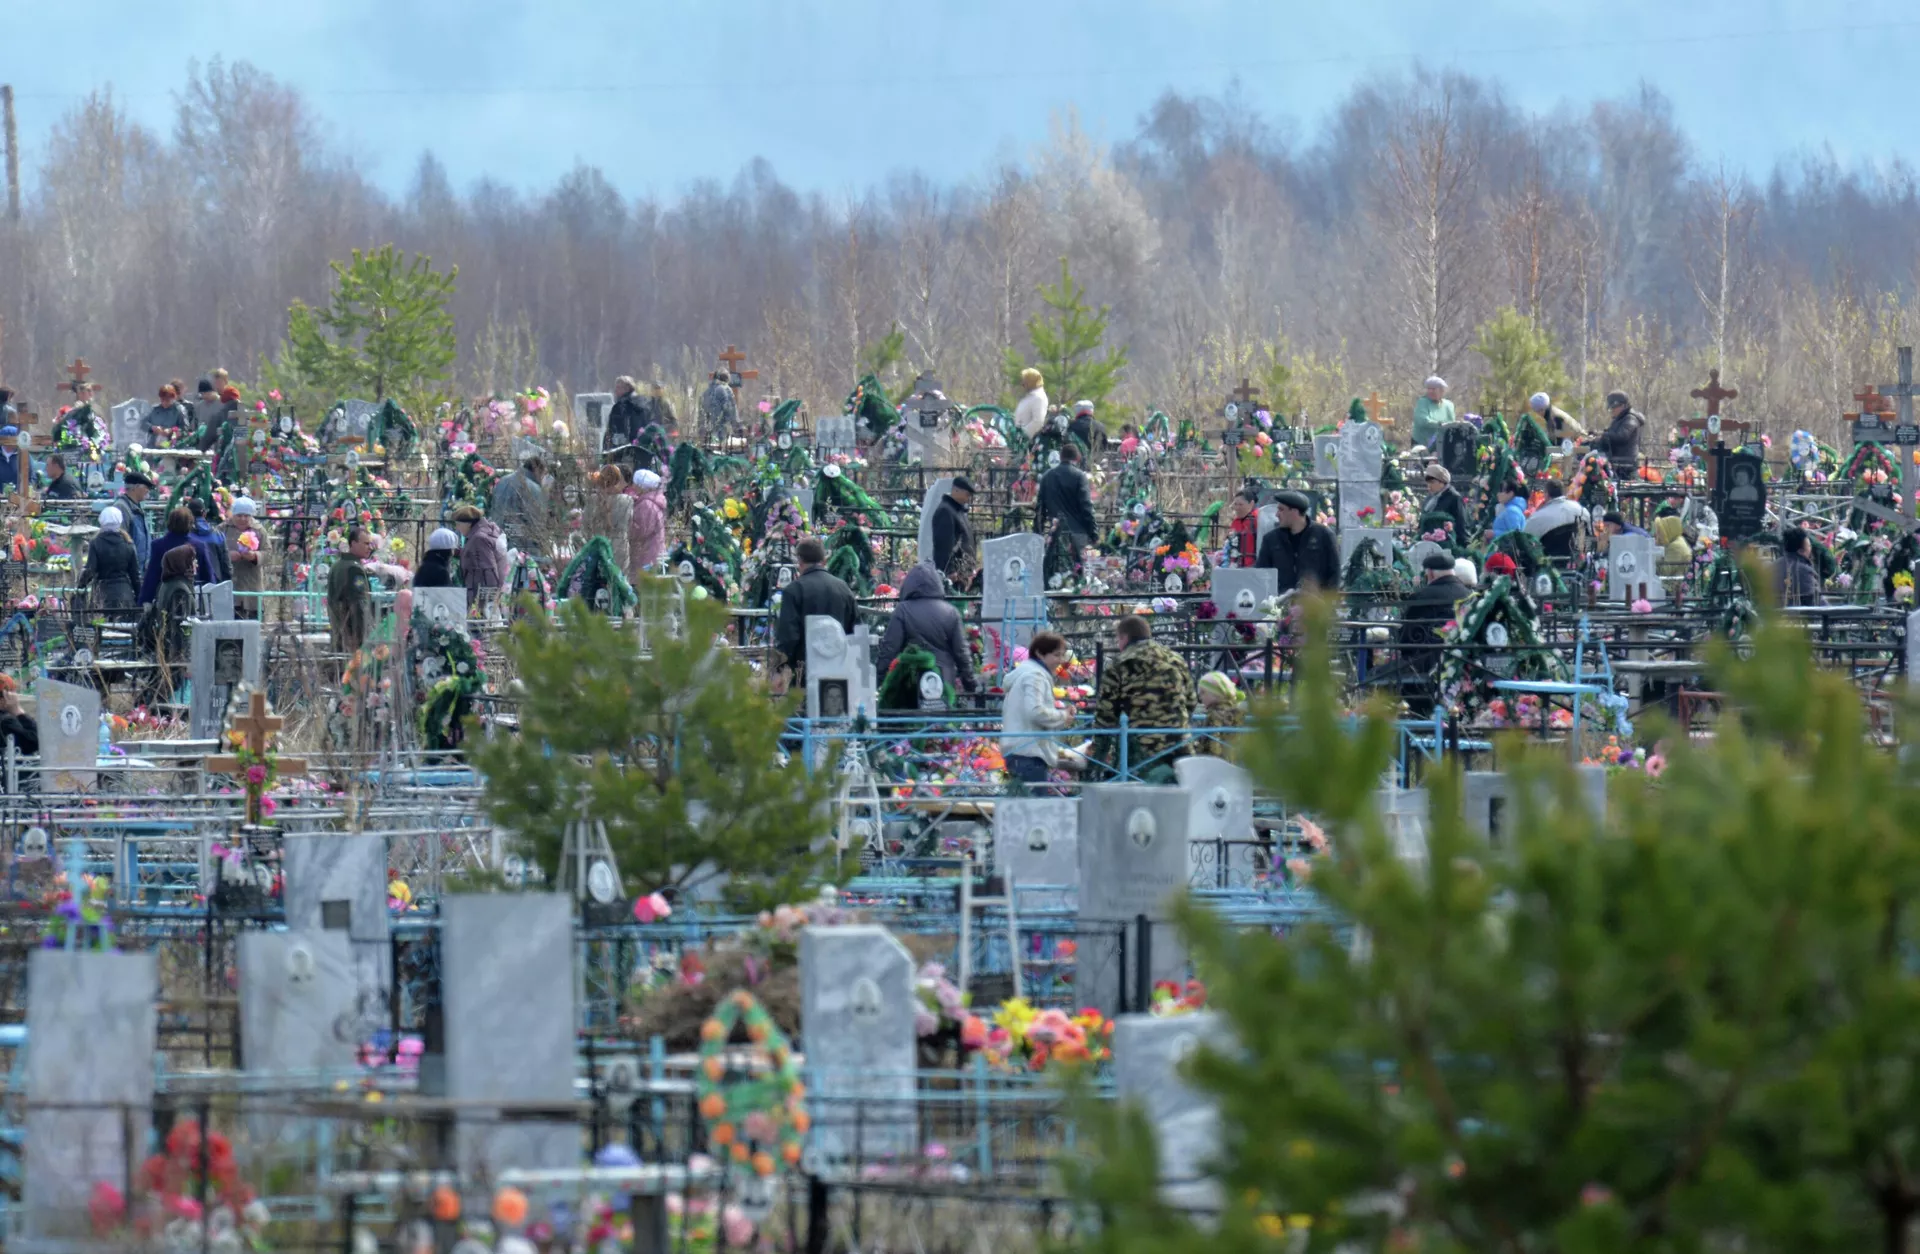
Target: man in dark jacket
{"x": 1429, "y": 609}
{"x": 953, "y": 552}
{"x": 923, "y": 617}
{"x": 813, "y": 591}
{"x": 1444, "y": 499}
{"x": 61, "y": 486}
{"x": 213, "y": 541}
{"x": 134, "y": 514}
{"x": 1303, "y": 552}
{"x": 1796, "y": 580}
{"x": 628, "y": 417}
{"x": 1621, "y": 440}
{"x": 1066, "y": 497}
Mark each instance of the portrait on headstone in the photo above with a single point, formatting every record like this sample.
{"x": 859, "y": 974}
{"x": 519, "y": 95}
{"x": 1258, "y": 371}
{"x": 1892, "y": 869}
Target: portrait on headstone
{"x": 229, "y": 660}
{"x": 833, "y": 698}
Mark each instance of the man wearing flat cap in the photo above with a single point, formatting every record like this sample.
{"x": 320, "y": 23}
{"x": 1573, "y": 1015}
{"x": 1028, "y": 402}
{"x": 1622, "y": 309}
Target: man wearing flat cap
{"x": 133, "y": 515}
{"x": 1303, "y": 553}
{"x": 953, "y": 552}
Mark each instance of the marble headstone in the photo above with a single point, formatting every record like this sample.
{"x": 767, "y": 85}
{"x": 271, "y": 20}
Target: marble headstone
{"x": 1632, "y": 569}
{"x": 1238, "y": 593}
{"x": 91, "y": 1021}
{"x": 216, "y": 601}
{"x": 1036, "y": 840}
{"x": 1013, "y": 580}
{"x": 1222, "y": 805}
{"x": 1351, "y": 537}
{"x": 1418, "y": 550}
{"x": 1493, "y": 807}
{"x": 443, "y": 607}
{"x": 590, "y": 410}
{"x": 834, "y": 433}
{"x": 1133, "y": 861}
{"x": 935, "y": 490}
{"x": 856, "y": 1024}
{"x": 337, "y": 882}
{"x": 352, "y": 418}
{"x": 223, "y": 657}
{"x": 1149, "y": 1053}
{"x": 838, "y": 670}
{"x": 1326, "y": 456}
{"x": 124, "y": 426}
{"x": 69, "y": 719}
{"x": 507, "y": 1011}
{"x": 300, "y": 1006}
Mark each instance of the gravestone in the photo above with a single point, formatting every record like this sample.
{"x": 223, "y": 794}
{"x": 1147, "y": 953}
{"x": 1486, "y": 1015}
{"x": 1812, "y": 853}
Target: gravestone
{"x": 91, "y": 1024}
{"x": 1913, "y": 647}
{"x": 337, "y": 882}
{"x": 803, "y": 502}
{"x": 927, "y": 445}
{"x": 857, "y": 1005}
{"x": 935, "y": 490}
{"x": 300, "y": 1007}
{"x": 1417, "y": 553}
{"x": 352, "y": 418}
{"x": 124, "y": 424}
{"x": 1361, "y": 453}
{"x": 590, "y": 410}
{"x": 1222, "y": 799}
{"x": 834, "y": 433}
{"x": 1632, "y": 569}
{"x": 1352, "y": 537}
{"x": 1036, "y": 840}
{"x": 216, "y": 601}
{"x": 840, "y": 682}
{"x": 69, "y": 719}
{"x": 1013, "y": 583}
{"x": 1743, "y": 504}
{"x": 1238, "y": 593}
{"x": 1149, "y": 1053}
{"x": 223, "y": 656}
{"x": 1492, "y": 807}
{"x": 1326, "y": 456}
{"x": 1459, "y": 450}
{"x": 443, "y": 607}
{"x": 508, "y": 1015}
{"x": 1133, "y": 861}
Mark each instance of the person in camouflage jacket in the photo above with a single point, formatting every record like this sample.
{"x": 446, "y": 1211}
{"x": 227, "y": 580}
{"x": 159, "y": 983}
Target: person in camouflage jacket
{"x": 1150, "y": 685}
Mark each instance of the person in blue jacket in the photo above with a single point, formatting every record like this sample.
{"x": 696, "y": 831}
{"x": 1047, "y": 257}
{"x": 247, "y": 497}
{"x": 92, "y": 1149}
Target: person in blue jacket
{"x": 1512, "y": 514}
{"x": 178, "y": 535}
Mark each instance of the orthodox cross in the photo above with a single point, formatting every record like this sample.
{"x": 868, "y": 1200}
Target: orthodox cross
{"x": 1375, "y": 408}
{"x": 1714, "y": 423}
{"x": 253, "y": 728}
{"x": 732, "y": 359}
{"x": 77, "y": 383}
{"x": 1245, "y": 392}
{"x": 21, "y": 498}
{"x": 1901, "y": 432}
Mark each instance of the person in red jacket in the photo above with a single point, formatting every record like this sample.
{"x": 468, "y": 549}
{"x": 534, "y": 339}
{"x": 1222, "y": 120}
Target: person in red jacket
{"x": 1243, "y": 545}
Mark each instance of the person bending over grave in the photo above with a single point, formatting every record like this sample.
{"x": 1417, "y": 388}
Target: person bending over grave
{"x": 1444, "y": 498}
{"x": 1150, "y": 685}
{"x": 113, "y": 570}
{"x": 1512, "y": 514}
{"x": 1670, "y": 531}
{"x": 1031, "y": 413}
{"x": 647, "y": 528}
{"x": 1559, "y": 424}
{"x": 1429, "y": 609}
{"x": 211, "y": 540}
{"x": 61, "y": 486}
{"x": 16, "y": 724}
{"x": 131, "y": 504}
{"x": 246, "y": 544}
{"x": 520, "y": 501}
{"x": 350, "y": 593}
{"x": 436, "y": 566}
{"x": 178, "y": 535}
{"x": 1066, "y": 498}
{"x": 1796, "y": 580}
{"x": 1243, "y": 537}
{"x": 1030, "y": 712}
{"x": 953, "y": 551}
{"x": 165, "y": 421}
{"x": 1621, "y": 440}
{"x": 1302, "y": 552}
{"x": 814, "y": 590}
{"x": 1431, "y": 411}
{"x": 922, "y": 619}
{"x": 483, "y": 562}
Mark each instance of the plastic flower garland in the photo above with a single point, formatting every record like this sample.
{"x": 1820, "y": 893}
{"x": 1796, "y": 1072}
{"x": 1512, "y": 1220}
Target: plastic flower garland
{"x": 767, "y": 1110}
{"x": 447, "y": 674}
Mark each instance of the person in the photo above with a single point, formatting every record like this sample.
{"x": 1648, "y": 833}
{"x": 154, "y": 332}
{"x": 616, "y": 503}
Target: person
{"x": 133, "y": 492}
{"x": 609, "y": 513}
{"x": 7, "y": 411}
{"x": 1431, "y": 411}
{"x": 61, "y": 486}
{"x": 483, "y": 563}
{"x": 814, "y": 590}
{"x": 1222, "y": 706}
{"x": 717, "y": 409}
{"x": 217, "y": 421}
{"x": 243, "y": 556}
{"x": 923, "y": 617}
{"x": 1621, "y": 440}
{"x": 165, "y": 421}
{"x": 112, "y": 570}
{"x": 1303, "y": 552}
{"x": 9, "y": 457}
{"x": 1512, "y": 514}
{"x": 1464, "y": 571}
{"x": 15, "y": 723}
{"x": 519, "y": 501}
{"x": 1560, "y": 425}
{"x": 628, "y": 417}
{"x": 436, "y": 567}
{"x": 212, "y": 541}
{"x": 953, "y": 553}
{"x": 1081, "y": 428}
{"x": 1030, "y": 414}
{"x": 1150, "y": 686}
{"x": 1615, "y": 524}
{"x": 647, "y": 528}
{"x": 662, "y": 409}
{"x": 179, "y": 535}
{"x": 206, "y": 402}
{"x": 1066, "y": 498}
{"x": 1243, "y": 536}
{"x": 1443, "y": 498}
{"x": 1558, "y": 520}
{"x": 1676, "y": 555}
{"x": 1796, "y": 580}
{"x": 1429, "y": 608}
{"x": 1030, "y": 710}
{"x": 163, "y": 631}
{"x": 350, "y": 593}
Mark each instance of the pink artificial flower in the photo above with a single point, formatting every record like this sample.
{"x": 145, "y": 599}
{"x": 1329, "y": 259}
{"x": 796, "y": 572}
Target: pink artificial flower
{"x": 1655, "y": 766}
{"x": 257, "y": 773}
{"x": 1642, "y": 606}
{"x": 267, "y": 806}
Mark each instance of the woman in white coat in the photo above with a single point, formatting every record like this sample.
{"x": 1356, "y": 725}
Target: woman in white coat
{"x": 1031, "y": 714}
{"x": 1031, "y": 413}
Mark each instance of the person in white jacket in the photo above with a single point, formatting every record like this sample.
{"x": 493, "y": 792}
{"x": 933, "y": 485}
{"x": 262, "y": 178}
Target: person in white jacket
{"x": 1030, "y": 713}
{"x": 1031, "y": 413}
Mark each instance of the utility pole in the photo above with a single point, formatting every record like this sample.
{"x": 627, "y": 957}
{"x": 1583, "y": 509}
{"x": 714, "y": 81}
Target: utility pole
{"x": 12, "y": 134}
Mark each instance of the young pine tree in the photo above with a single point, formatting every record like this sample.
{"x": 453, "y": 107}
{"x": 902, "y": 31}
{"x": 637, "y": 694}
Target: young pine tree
{"x": 386, "y": 332}
{"x": 1069, "y": 345}
{"x": 1521, "y": 359}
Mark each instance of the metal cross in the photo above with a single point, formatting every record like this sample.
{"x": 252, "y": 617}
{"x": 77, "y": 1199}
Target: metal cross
{"x": 1713, "y": 393}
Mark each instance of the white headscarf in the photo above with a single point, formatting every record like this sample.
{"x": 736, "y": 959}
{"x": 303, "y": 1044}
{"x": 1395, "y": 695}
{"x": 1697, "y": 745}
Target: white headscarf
{"x": 244, "y": 507}
{"x": 111, "y": 519}
{"x": 1435, "y": 381}
{"x": 646, "y": 480}
{"x": 442, "y": 538}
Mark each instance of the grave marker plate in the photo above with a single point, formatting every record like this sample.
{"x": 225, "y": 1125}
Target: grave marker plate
{"x": 834, "y": 433}
{"x": 856, "y": 1022}
{"x": 1133, "y": 861}
{"x": 125, "y": 427}
{"x": 443, "y": 607}
{"x": 222, "y": 657}
{"x": 1632, "y": 569}
{"x": 1013, "y": 579}
{"x": 1036, "y": 840}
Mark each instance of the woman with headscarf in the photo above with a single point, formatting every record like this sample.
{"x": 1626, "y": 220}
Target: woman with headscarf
{"x": 1222, "y": 706}
{"x": 1676, "y": 555}
{"x": 609, "y": 512}
{"x": 163, "y": 632}
{"x": 1031, "y": 413}
{"x": 436, "y": 567}
{"x": 647, "y": 529}
{"x": 113, "y": 570}
{"x": 246, "y": 546}
{"x": 1442, "y": 498}
{"x": 483, "y": 563}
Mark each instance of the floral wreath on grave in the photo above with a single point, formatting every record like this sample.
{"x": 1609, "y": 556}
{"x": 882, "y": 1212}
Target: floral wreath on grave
{"x": 850, "y": 557}
{"x": 900, "y": 686}
{"x": 1461, "y": 681}
{"x": 196, "y": 485}
{"x": 1531, "y": 558}
{"x": 1495, "y": 427}
{"x": 768, "y": 1110}
{"x": 447, "y": 674}
{"x": 1178, "y": 556}
{"x": 1811, "y": 460}
{"x": 592, "y": 569}
{"x": 391, "y": 424}
{"x": 993, "y": 427}
{"x": 469, "y": 481}
{"x": 257, "y": 770}
{"x": 79, "y": 427}
{"x": 693, "y": 467}
{"x": 1443, "y": 530}
{"x": 1370, "y": 572}
{"x": 1870, "y": 464}
{"x": 1530, "y": 442}
{"x": 1593, "y": 485}
{"x": 1136, "y": 477}
{"x": 837, "y": 492}
{"x": 869, "y": 404}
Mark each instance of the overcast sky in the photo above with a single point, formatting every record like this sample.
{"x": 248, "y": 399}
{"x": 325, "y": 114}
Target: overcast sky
{"x": 839, "y": 93}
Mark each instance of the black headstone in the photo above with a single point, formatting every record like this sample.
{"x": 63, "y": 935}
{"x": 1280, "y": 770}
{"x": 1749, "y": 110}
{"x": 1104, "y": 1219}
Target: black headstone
{"x": 1459, "y": 450}
{"x": 1743, "y": 495}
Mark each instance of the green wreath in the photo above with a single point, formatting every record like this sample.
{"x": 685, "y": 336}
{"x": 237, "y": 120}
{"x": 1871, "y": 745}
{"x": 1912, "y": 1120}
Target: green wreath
{"x": 596, "y": 568}
{"x": 768, "y": 1109}
{"x": 1461, "y": 683}
{"x": 1370, "y": 572}
{"x": 869, "y": 403}
{"x": 392, "y": 418}
{"x": 447, "y": 689}
{"x": 1530, "y": 442}
{"x": 837, "y": 493}
{"x": 195, "y": 485}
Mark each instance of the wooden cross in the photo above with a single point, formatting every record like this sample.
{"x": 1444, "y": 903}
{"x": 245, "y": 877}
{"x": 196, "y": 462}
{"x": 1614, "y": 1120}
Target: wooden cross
{"x": 78, "y": 384}
{"x": 1713, "y": 424}
{"x": 1713, "y": 393}
{"x": 1245, "y": 392}
{"x": 1871, "y": 402}
{"x": 254, "y": 727}
{"x": 21, "y": 498}
{"x": 1905, "y": 434}
{"x": 732, "y": 359}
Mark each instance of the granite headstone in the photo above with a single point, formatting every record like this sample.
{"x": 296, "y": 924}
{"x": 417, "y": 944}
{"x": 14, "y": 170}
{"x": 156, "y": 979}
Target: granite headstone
{"x": 223, "y": 657}
{"x": 69, "y": 719}
{"x": 856, "y": 1022}
{"x": 1149, "y": 1054}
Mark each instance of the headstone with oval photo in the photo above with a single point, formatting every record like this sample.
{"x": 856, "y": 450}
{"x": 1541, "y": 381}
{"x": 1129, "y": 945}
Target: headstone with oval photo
{"x": 857, "y": 1004}
{"x": 442, "y": 607}
{"x": 223, "y": 657}
{"x": 1134, "y": 863}
{"x": 1632, "y": 569}
{"x": 1036, "y": 841}
{"x": 590, "y": 410}
{"x": 1326, "y": 456}
{"x": 124, "y": 424}
{"x": 834, "y": 433}
{"x": 1013, "y": 583}
{"x": 69, "y": 719}
{"x": 1237, "y": 594}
